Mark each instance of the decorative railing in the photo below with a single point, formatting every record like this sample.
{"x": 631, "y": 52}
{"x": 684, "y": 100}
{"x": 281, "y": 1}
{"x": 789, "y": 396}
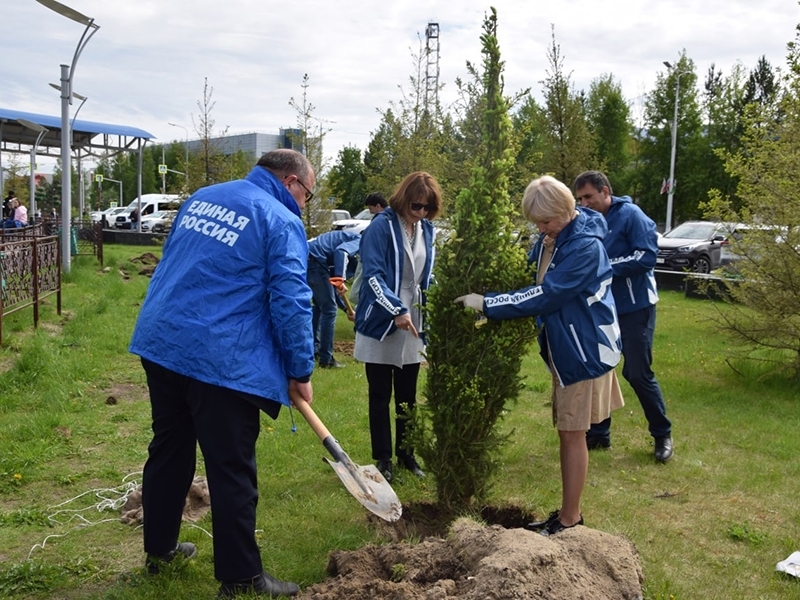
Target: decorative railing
{"x": 30, "y": 270}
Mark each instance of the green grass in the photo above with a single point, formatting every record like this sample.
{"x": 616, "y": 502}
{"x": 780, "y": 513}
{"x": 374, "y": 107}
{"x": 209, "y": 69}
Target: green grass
{"x": 712, "y": 523}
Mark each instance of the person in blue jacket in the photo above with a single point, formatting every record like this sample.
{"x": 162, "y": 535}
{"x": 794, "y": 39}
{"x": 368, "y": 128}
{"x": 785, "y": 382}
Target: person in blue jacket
{"x": 224, "y": 332}
{"x": 397, "y": 255}
{"x": 332, "y": 259}
{"x": 632, "y": 246}
{"x": 579, "y": 337}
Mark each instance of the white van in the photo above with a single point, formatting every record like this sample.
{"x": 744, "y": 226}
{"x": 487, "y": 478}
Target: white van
{"x": 150, "y": 204}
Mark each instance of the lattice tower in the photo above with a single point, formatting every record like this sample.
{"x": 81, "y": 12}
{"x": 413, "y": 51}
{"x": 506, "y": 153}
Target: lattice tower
{"x": 431, "y": 67}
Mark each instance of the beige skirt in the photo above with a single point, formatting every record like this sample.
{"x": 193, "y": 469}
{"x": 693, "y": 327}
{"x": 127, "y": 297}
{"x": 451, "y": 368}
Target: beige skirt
{"x": 577, "y": 406}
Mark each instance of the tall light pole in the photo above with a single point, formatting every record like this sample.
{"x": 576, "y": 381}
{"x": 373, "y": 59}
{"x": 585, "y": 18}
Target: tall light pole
{"x": 186, "y": 149}
{"x": 67, "y": 74}
{"x": 671, "y": 190}
{"x": 41, "y": 131}
{"x": 83, "y": 100}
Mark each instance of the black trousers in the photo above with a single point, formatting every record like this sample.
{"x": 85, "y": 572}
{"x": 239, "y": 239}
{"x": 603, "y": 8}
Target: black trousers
{"x": 380, "y": 379}
{"x": 185, "y": 412}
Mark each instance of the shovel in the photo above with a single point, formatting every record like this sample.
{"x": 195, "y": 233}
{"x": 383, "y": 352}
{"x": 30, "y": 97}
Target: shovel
{"x": 366, "y": 484}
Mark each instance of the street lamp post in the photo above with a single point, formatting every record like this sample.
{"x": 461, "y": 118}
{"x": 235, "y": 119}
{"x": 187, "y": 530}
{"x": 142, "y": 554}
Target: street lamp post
{"x": 671, "y": 189}
{"x": 83, "y": 100}
{"x": 67, "y": 75}
{"x": 42, "y": 131}
{"x": 186, "y": 150}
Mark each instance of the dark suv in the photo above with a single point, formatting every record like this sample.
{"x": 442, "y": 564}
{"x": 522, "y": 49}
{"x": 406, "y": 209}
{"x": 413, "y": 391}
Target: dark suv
{"x": 694, "y": 246}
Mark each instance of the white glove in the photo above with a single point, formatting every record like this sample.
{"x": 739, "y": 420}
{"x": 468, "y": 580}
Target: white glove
{"x": 473, "y": 301}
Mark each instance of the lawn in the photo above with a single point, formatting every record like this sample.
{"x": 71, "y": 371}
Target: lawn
{"x": 74, "y": 429}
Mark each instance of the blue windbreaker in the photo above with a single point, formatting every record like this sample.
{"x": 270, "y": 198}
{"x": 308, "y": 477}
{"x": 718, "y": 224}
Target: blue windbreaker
{"x": 335, "y": 249}
{"x": 632, "y": 247}
{"x": 228, "y": 303}
{"x": 381, "y": 257}
{"x": 581, "y": 331}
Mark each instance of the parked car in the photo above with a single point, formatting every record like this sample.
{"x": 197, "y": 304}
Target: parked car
{"x": 694, "y": 246}
{"x": 355, "y": 225}
{"x": 322, "y": 220}
{"x": 107, "y": 216}
{"x": 150, "y": 204}
{"x": 164, "y": 225}
{"x": 150, "y": 222}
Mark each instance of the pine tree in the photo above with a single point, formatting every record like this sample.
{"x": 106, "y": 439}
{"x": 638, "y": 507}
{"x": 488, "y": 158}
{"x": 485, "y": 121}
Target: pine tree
{"x": 765, "y": 320}
{"x": 474, "y": 371}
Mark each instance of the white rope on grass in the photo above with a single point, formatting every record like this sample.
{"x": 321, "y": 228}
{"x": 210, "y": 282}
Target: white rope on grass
{"x": 108, "y": 499}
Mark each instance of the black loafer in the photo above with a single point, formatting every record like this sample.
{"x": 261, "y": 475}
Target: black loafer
{"x": 260, "y": 585}
{"x": 663, "y": 450}
{"x": 412, "y": 465}
{"x": 153, "y": 562}
{"x": 385, "y": 467}
{"x": 334, "y": 364}
{"x": 556, "y": 526}
{"x": 597, "y": 443}
{"x": 537, "y": 525}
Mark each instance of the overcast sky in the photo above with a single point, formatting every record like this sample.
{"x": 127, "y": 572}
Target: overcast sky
{"x": 146, "y": 65}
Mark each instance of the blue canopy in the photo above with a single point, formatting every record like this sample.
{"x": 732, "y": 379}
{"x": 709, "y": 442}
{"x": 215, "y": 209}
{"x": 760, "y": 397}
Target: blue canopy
{"x": 14, "y": 136}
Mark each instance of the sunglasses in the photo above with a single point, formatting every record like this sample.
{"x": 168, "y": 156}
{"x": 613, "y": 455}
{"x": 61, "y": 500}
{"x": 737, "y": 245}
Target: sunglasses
{"x": 415, "y": 206}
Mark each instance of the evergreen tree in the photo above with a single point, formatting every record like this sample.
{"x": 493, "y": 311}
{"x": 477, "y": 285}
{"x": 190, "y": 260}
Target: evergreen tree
{"x": 656, "y": 145}
{"x": 609, "y": 121}
{"x": 474, "y": 371}
{"x": 529, "y": 126}
{"x": 568, "y": 147}
{"x": 765, "y": 318}
{"x": 347, "y": 180}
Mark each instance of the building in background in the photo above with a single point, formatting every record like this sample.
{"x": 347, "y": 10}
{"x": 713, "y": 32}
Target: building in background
{"x": 253, "y": 145}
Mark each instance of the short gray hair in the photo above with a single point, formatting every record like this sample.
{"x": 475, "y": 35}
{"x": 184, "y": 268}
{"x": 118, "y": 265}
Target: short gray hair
{"x": 284, "y": 162}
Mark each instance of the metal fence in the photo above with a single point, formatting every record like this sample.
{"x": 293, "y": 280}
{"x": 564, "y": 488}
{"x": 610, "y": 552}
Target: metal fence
{"x": 30, "y": 270}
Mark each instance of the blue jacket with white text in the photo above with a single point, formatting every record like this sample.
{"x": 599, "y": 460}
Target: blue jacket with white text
{"x": 581, "y": 333}
{"x": 632, "y": 247}
{"x": 229, "y": 304}
{"x": 381, "y": 257}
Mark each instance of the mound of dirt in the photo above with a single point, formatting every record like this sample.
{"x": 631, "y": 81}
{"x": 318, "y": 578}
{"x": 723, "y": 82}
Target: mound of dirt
{"x": 478, "y": 562}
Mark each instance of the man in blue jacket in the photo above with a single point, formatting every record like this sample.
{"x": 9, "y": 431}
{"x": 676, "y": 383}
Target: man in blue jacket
{"x": 632, "y": 246}
{"x": 332, "y": 259}
{"x": 225, "y": 331}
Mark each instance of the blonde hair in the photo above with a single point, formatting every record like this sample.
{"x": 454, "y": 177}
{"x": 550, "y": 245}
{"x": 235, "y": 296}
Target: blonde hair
{"x": 546, "y": 198}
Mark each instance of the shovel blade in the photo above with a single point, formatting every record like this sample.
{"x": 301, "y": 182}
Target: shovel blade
{"x": 370, "y": 488}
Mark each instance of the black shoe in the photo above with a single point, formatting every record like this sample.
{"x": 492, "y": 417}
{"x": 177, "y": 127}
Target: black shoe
{"x": 260, "y": 585}
{"x": 663, "y": 451}
{"x": 537, "y": 525}
{"x": 556, "y": 526}
{"x": 154, "y": 561}
{"x": 385, "y": 467}
{"x": 334, "y": 364}
{"x": 594, "y": 442}
{"x": 412, "y": 465}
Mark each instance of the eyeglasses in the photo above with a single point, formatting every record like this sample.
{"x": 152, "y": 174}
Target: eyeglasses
{"x": 309, "y": 193}
{"x": 415, "y": 206}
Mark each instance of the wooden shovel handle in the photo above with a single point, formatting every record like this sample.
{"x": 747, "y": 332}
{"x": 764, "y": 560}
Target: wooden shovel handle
{"x": 309, "y": 415}
{"x": 347, "y": 305}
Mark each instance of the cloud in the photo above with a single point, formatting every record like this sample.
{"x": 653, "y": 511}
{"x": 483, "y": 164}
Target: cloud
{"x": 146, "y": 65}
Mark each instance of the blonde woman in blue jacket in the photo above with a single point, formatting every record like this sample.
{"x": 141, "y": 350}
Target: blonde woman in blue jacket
{"x": 579, "y": 340}
{"x": 397, "y": 255}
